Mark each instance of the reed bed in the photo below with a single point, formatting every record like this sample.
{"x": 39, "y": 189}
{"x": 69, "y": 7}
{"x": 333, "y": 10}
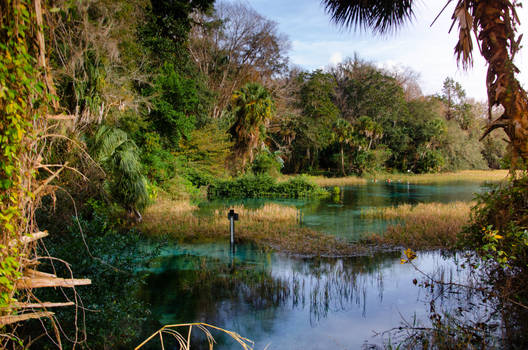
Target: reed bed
{"x": 338, "y": 181}
{"x": 272, "y": 225}
{"x": 423, "y": 226}
{"x": 438, "y": 178}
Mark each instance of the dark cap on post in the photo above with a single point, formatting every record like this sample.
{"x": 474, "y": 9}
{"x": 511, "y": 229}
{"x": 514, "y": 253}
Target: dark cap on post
{"x": 233, "y": 215}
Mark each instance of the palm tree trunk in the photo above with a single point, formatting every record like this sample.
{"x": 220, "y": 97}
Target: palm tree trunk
{"x": 496, "y": 22}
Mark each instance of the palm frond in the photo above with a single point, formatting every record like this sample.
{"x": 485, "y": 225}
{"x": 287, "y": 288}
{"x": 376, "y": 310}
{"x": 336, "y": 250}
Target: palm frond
{"x": 381, "y": 16}
{"x": 107, "y": 140}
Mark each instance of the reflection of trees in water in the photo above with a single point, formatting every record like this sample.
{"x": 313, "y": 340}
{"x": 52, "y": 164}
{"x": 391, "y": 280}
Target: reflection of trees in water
{"x": 194, "y": 288}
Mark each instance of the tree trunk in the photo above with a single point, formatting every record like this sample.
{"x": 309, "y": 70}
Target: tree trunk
{"x": 496, "y": 24}
{"x": 342, "y": 160}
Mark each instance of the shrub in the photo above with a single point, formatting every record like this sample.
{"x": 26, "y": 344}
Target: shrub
{"x": 254, "y": 186}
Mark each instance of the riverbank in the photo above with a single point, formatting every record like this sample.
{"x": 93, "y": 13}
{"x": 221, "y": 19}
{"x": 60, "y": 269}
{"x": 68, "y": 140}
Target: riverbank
{"x": 272, "y": 226}
{"x": 438, "y": 178}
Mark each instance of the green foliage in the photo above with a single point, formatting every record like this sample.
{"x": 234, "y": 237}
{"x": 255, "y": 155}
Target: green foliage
{"x": 267, "y": 163}
{"x": 120, "y": 155}
{"x": 21, "y": 95}
{"x": 115, "y": 314}
{"x": 498, "y": 225}
{"x": 253, "y": 107}
{"x": 175, "y": 104}
{"x": 257, "y": 186}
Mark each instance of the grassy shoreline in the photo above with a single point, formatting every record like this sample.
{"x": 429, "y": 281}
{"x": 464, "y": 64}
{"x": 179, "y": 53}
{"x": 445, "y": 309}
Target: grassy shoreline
{"x": 276, "y": 226}
{"x": 438, "y": 178}
{"x": 273, "y": 226}
{"x": 422, "y": 226}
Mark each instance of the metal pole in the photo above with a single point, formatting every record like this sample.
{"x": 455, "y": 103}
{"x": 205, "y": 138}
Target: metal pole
{"x": 232, "y": 229}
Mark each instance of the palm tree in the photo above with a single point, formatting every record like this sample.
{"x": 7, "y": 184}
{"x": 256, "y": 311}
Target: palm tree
{"x": 343, "y": 133}
{"x": 494, "y": 24}
{"x": 120, "y": 157}
{"x": 253, "y": 107}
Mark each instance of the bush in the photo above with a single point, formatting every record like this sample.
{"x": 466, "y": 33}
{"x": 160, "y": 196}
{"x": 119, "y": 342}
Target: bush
{"x": 255, "y": 186}
{"x": 267, "y": 163}
{"x": 498, "y": 230}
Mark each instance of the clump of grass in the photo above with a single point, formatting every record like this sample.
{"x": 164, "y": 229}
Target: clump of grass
{"x": 338, "y": 181}
{"x": 438, "y": 178}
{"x": 272, "y": 225}
{"x": 422, "y": 226}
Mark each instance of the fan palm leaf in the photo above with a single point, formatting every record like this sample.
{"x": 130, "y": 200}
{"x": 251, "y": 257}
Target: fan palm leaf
{"x": 381, "y": 16}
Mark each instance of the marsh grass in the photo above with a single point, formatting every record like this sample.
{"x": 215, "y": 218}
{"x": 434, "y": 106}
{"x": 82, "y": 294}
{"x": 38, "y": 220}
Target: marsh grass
{"x": 438, "y": 178}
{"x": 272, "y": 225}
{"x": 421, "y": 226}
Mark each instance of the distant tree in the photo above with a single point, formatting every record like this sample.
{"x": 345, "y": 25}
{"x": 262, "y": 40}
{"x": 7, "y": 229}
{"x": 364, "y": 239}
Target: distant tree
{"x": 236, "y": 45}
{"x": 493, "y": 23}
{"x": 318, "y": 114}
{"x": 343, "y": 133}
{"x": 175, "y": 104}
{"x": 252, "y": 107}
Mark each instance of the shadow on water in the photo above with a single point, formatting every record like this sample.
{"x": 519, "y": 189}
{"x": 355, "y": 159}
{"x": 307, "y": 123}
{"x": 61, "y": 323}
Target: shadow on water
{"x": 290, "y": 303}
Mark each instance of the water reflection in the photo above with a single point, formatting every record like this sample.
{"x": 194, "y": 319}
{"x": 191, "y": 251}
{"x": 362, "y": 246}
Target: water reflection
{"x": 292, "y": 303}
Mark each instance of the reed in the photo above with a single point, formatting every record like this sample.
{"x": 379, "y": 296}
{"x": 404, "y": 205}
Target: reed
{"x": 438, "y": 178}
{"x": 273, "y": 225}
{"x": 422, "y": 226}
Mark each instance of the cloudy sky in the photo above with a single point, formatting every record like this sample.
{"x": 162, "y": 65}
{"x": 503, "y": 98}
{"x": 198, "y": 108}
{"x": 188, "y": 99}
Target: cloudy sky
{"x": 316, "y": 42}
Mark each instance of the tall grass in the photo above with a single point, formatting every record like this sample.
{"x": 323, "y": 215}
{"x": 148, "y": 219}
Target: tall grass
{"x": 422, "y": 226}
{"x": 272, "y": 225}
{"x": 438, "y": 178}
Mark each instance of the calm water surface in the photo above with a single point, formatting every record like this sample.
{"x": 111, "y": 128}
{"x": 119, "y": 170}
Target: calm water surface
{"x": 292, "y": 303}
{"x": 299, "y": 303}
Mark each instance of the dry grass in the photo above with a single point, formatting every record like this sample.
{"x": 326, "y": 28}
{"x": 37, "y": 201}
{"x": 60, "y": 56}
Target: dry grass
{"x": 423, "y": 226}
{"x": 272, "y": 225}
{"x": 338, "y": 181}
{"x": 439, "y": 178}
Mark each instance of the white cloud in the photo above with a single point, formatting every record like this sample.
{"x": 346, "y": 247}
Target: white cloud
{"x": 336, "y": 58}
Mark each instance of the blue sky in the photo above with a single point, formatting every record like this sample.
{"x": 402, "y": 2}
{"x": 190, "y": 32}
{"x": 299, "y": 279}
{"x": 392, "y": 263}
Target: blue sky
{"x": 316, "y": 42}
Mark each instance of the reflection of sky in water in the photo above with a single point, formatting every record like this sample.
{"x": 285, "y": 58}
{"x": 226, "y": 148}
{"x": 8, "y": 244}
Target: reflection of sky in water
{"x": 342, "y": 216}
{"x": 291, "y": 303}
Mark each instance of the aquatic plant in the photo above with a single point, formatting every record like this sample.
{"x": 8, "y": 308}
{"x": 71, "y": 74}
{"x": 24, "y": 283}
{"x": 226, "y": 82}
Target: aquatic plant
{"x": 272, "y": 225}
{"x": 421, "y": 226}
{"x": 437, "y": 178}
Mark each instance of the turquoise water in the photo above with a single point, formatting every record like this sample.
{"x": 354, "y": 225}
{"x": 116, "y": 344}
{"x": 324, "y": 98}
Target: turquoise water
{"x": 293, "y": 303}
{"x": 342, "y": 216}
{"x": 305, "y": 303}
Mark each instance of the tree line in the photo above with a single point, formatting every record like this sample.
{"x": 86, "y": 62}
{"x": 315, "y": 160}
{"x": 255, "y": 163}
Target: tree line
{"x": 172, "y": 94}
